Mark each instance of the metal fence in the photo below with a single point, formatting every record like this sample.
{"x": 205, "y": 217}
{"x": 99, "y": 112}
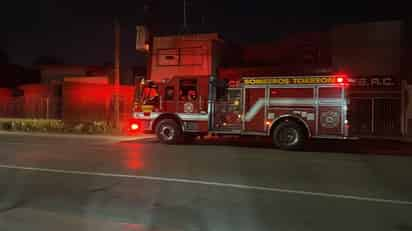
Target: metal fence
{"x": 55, "y": 108}
{"x": 32, "y": 107}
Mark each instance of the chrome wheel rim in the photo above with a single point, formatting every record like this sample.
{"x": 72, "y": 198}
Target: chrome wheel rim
{"x": 288, "y": 136}
{"x": 167, "y": 132}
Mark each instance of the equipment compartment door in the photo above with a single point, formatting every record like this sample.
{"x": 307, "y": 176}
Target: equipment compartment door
{"x": 228, "y": 109}
{"x": 330, "y": 121}
{"x": 331, "y": 103}
{"x": 255, "y": 105}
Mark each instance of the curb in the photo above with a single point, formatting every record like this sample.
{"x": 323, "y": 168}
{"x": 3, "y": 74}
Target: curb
{"x": 389, "y": 138}
{"x": 80, "y": 136}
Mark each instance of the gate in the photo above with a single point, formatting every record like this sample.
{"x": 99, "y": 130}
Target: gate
{"x": 387, "y": 120}
{"x": 375, "y": 116}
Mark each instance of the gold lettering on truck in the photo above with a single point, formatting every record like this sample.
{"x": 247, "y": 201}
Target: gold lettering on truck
{"x": 295, "y": 80}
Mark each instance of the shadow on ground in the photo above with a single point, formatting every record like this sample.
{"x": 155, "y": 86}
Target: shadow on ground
{"x": 362, "y": 146}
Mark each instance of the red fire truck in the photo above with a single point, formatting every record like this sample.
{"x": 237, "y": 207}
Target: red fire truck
{"x": 290, "y": 109}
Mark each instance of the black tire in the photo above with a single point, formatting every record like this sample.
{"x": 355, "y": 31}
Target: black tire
{"x": 289, "y": 135}
{"x": 168, "y": 131}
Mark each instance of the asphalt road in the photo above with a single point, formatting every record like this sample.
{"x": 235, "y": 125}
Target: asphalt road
{"x": 79, "y": 183}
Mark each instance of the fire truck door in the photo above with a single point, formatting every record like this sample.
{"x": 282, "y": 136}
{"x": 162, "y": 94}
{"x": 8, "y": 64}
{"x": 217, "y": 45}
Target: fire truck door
{"x": 188, "y": 101}
{"x": 169, "y": 98}
{"x": 192, "y": 103}
{"x": 254, "y": 106}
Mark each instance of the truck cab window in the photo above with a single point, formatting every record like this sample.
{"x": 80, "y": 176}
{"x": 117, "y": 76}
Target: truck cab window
{"x": 150, "y": 95}
{"x": 188, "y": 90}
{"x": 169, "y": 93}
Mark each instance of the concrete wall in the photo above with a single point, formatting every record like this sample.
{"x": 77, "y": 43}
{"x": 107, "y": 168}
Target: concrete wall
{"x": 59, "y": 72}
{"x": 94, "y": 102}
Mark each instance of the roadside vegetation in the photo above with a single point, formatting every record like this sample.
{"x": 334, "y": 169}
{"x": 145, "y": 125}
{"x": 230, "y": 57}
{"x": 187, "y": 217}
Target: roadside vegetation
{"x": 56, "y": 126}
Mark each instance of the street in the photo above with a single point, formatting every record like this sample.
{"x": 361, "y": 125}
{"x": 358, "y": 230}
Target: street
{"x": 79, "y": 183}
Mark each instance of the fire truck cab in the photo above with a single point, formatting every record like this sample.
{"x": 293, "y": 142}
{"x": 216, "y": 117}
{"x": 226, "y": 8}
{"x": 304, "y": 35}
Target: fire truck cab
{"x": 290, "y": 109}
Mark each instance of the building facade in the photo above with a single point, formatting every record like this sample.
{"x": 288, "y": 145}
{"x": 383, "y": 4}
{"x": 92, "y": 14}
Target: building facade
{"x": 183, "y": 55}
{"x": 371, "y": 54}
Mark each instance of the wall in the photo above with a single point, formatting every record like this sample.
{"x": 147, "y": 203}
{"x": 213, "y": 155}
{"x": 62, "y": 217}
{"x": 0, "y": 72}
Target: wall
{"x": 5, "y": 93}
{"x": 58, "y": 72}
{"x": 5, "y": 100}
{"x": 88, "y": 79}
{"x": 407, "y": 44}
{"x": 182, "y": 55}
{"x": 371, "y": 54}
{"x": 368, "y": 48}
{"x": 292, "y": 52}
{"x": 94, "y": 102}
{"x": 37, "y": 101}
{"x": 409, "y": 111}
{"x": 303, "y": 53}
{"x": 34, "y": 101}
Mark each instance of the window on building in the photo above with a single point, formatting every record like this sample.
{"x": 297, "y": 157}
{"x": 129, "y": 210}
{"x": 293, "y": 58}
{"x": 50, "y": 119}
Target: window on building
{"x": 168, "y": 57}
{"x": 180, "y": 57}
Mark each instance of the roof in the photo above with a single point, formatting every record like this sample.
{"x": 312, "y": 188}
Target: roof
{"x": 202, "y": 36}
{"x": 237, "y": 72}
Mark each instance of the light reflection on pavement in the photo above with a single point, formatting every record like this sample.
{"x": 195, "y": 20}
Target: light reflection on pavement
{"x": 42, "y": 200}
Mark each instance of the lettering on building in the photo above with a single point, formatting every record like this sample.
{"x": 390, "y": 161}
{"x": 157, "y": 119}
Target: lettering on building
{"x": 373, "y": 81}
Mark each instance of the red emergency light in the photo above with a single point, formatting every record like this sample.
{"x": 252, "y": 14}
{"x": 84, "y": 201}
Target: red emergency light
{"x": 134, "y": 126}
{"x": 341, "y": 79}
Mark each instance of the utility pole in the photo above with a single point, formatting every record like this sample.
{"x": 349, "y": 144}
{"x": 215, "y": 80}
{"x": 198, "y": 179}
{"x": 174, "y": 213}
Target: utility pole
{"x": 116, "y": 73}
{"x": 184, "y": 17}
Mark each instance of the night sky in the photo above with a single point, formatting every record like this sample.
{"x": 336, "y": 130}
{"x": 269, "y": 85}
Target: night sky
{"x": 81, "y": 32}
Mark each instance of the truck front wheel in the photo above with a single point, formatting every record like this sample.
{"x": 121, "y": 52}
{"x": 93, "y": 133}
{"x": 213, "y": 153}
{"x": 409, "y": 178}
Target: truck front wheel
{"x": 289, "y": 135}
{"x": 168, "y": 131}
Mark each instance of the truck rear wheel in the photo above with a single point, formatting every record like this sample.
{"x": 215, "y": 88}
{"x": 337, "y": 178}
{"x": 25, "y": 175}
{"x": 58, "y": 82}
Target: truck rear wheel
{"x": 289, "y": 135}
{"x": 168, "y": 131}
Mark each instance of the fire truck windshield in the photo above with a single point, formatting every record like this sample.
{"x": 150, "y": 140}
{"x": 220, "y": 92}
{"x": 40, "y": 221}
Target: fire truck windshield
{"x": 150, "y": 95}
